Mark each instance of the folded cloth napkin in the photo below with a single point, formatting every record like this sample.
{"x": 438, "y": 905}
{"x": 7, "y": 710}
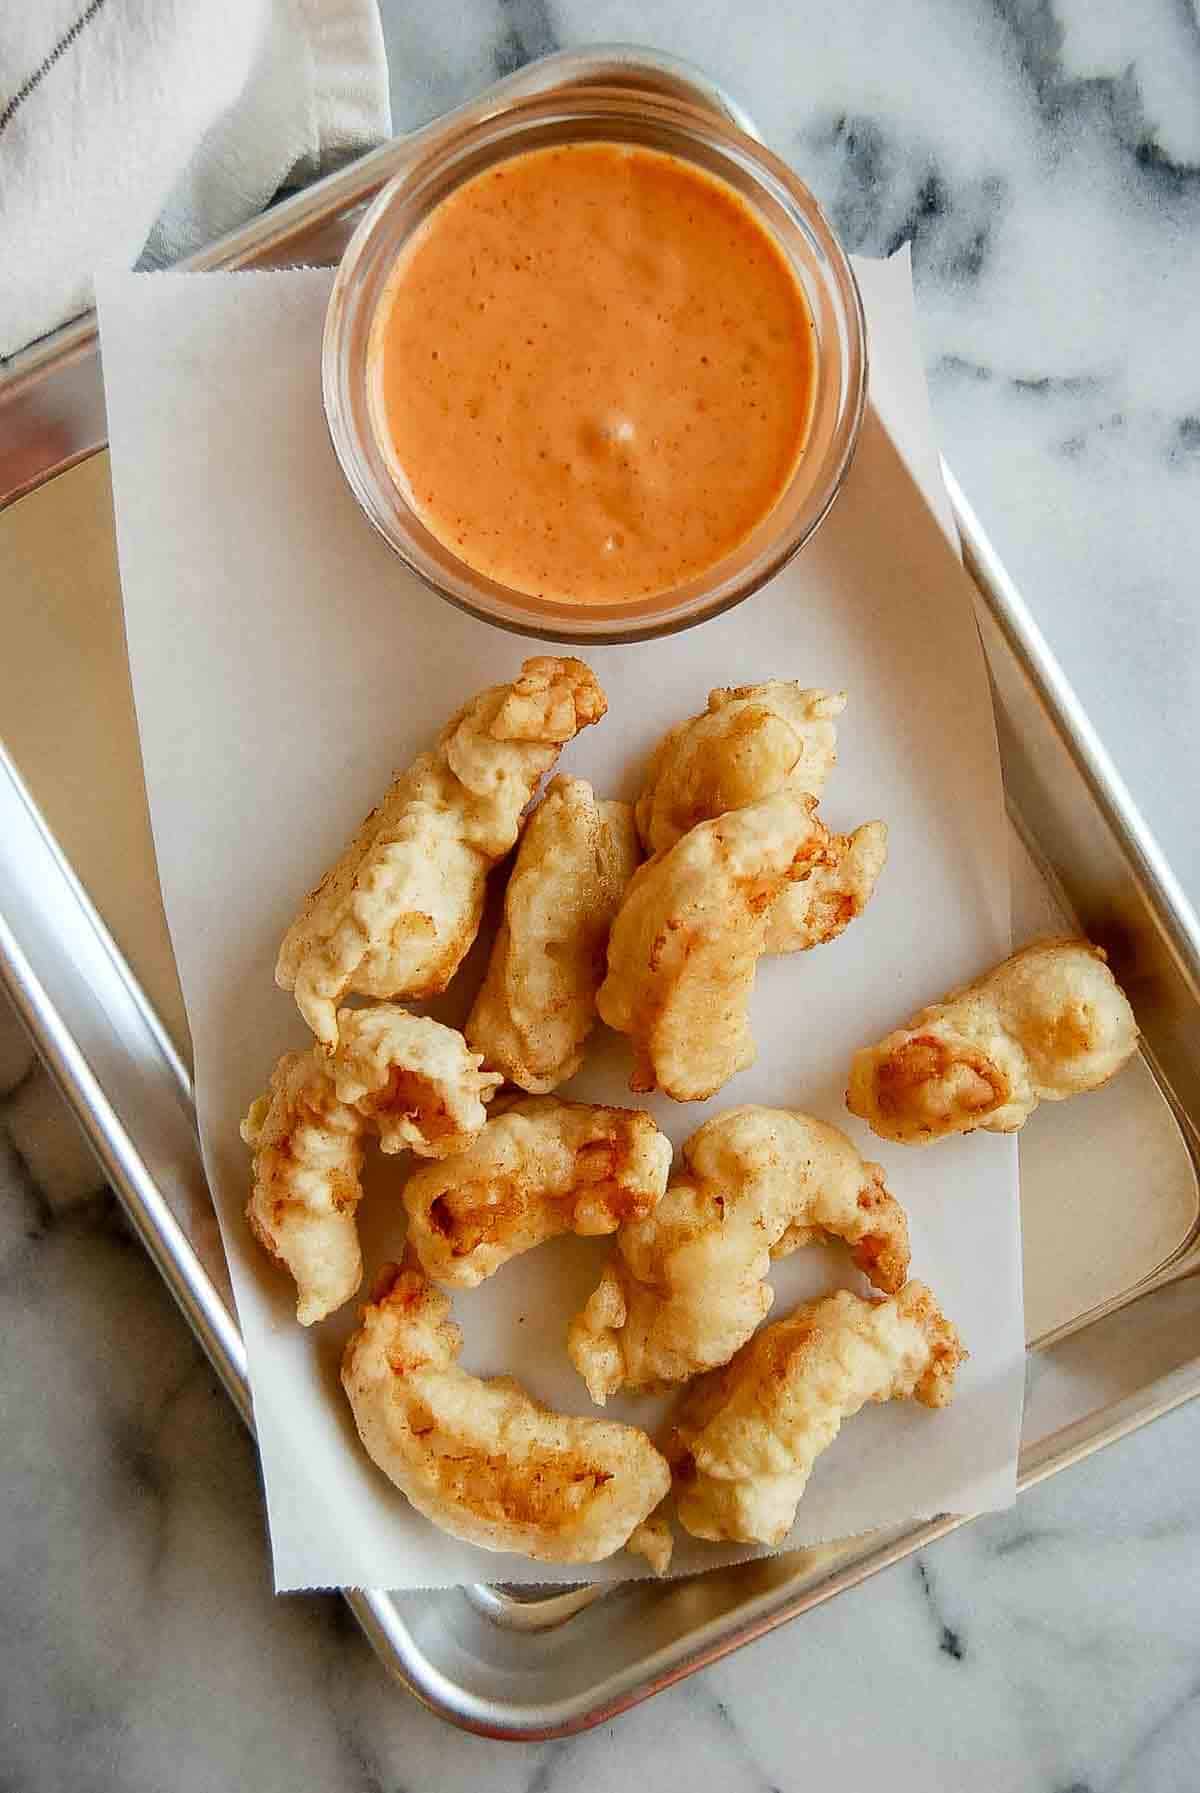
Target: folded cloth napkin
{"x": 144, "y": 128}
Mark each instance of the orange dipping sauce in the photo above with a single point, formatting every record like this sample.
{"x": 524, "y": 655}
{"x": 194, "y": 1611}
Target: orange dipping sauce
{"x": 592, "y": 372}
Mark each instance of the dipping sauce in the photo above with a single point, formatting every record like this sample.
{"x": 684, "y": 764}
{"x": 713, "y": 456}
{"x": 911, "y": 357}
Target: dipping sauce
{"x": 592, "y": 372}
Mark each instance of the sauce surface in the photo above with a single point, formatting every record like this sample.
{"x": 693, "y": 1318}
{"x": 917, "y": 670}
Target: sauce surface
{"x": 592, "y": 372}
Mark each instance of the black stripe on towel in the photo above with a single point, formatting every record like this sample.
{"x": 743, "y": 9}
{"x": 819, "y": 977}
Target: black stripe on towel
{"x": 39, "y": 74}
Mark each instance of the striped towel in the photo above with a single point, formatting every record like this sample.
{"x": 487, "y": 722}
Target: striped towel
{"x": 144, "y": 128}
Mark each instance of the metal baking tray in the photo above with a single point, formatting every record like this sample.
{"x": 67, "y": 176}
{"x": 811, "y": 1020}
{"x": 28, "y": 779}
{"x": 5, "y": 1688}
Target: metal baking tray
{"x": 1110, "y": 1195}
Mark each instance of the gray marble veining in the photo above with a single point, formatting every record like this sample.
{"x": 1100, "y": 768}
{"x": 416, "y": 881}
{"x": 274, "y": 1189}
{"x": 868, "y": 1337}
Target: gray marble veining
{"x": 1043, "y": 157}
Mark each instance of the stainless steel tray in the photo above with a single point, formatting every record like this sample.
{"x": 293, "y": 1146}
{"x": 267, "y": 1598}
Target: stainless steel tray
{"x": 1110, "y": 1199}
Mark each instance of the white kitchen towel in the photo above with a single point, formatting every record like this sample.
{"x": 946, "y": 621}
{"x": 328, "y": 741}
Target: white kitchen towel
{"x": 145, "y": 128}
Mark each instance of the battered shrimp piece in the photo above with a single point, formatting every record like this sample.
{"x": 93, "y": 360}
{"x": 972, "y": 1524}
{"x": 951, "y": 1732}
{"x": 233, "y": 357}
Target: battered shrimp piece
{"x": 408, "y": 1079}
{"x": 752, "y": 741}
{"x": 308, "y": 1156}
{"x": 1048, "y": 1023}
{"x": 817, "y": 909}
{"x": 542, "y": 1168}
{"x": 745, "y": 1438}
{"x": 483, "y": 1460}
{"x": 397, "y": 913}
{"x": 688, "y": 936}
{"x": 416, "y": 1081}
{"x": 686, "y": 1286}
{"x": 537, "y": 1005}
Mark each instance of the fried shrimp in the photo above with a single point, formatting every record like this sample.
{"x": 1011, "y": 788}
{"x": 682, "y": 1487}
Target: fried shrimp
{"x": 686, "y": 1286}
{"x": 537, "y": 1006}
{"x": 407, "y": 1079}
{"x": 308, "y": 1156}
{"x": 745, "y": 1438}
{"x": 397, "y": 913}
{"x": 751, "y": 742}
{"x": 815, "y": 910}
{"x": 688, "y": 936}
{"x": 1048, "y": 1023}
{"x": 542, "y": 1168}
{"x": 482, "y": 1459}
{"x": 416, "y": 1081}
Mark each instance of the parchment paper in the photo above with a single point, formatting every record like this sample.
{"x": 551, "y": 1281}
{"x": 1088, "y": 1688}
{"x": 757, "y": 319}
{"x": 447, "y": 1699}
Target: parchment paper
{"x": 284, "y": 663}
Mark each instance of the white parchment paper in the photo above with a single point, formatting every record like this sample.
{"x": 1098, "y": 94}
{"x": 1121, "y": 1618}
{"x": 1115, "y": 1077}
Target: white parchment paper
{"x": 284, "y": 663}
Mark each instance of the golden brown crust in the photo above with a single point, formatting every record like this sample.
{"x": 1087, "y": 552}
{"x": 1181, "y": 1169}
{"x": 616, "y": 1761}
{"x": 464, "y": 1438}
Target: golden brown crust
{"x": 752, "y": 742}
{"x": 537, "y": 1005}
{"x": 756, "y": 741}
{"x": 397, "y": 913}
{"x": 541, "y": 1168}
{"x": 1047, "y": 1023}
{"x": 744, "y": 1440}
{"x": 815, "y": 910}
{"x": 483, "y": 1460}
{"x": 688, "y": 936}
{"x": 412, "y": 1078}
{"x": 307, "y": 1163}
{"x": 685, "y": 1287}
{"x": 406, "y": 1078}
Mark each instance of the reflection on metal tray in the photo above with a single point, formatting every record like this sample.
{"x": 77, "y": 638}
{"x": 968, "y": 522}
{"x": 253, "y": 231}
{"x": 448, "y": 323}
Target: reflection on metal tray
{"x": 1110, "y": 1203}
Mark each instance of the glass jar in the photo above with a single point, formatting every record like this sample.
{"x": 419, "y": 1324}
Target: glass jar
{"x": 780, "y": 202}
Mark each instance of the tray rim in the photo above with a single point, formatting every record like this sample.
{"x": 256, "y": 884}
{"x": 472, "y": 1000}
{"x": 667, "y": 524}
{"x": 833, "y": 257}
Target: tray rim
{"x": 72, "y": 351}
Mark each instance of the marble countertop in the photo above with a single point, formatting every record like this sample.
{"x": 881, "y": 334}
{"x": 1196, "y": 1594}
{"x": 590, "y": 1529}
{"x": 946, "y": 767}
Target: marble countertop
{"x": 1043, "y": 157}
